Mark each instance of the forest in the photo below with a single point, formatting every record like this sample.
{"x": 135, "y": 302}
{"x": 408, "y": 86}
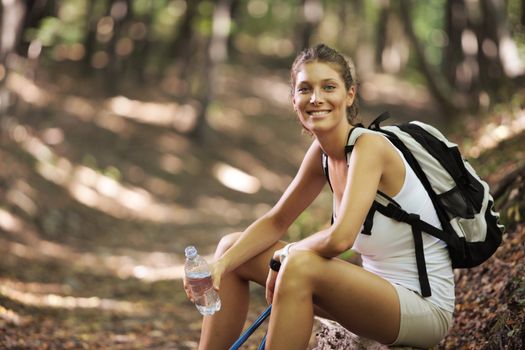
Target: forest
{"x": 130, "y": 129}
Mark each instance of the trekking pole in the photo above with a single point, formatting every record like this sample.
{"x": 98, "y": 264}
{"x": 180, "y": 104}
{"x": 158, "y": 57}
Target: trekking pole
{"x": 263, "y": 343}
{"x": 252, "y": 329}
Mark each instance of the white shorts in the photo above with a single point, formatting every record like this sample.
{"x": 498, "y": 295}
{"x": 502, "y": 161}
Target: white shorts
{"x": 422, "y": 324}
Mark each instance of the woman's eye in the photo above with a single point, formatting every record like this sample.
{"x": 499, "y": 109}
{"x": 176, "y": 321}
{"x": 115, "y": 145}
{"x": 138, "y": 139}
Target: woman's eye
{"x": 329, "y": 87}
{"x": 302, "y": 90}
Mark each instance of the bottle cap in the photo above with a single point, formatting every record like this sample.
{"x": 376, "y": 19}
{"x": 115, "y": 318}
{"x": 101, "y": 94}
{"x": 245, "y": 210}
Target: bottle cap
{"x": 190, "y": 251}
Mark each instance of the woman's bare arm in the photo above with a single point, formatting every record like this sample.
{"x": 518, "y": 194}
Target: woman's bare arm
{"x": 260, "y": 235}
{"x": 365, "y": 170}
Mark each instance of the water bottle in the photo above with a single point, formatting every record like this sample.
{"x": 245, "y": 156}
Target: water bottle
{"x": 198, "y": 276}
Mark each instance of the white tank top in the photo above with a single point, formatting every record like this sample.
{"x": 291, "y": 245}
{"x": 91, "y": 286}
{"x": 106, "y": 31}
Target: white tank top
{"x": 389, "y": 250}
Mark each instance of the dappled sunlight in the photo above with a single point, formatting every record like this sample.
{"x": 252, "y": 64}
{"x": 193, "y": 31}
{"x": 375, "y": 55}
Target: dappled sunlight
{"x": 97, "y": 190}
{"x": 148, "y": 266}
{"x": 236, "y": 179}
{"x": 10, "y": 316}
{"x": 80, "y": 107}
{"x": 382, "y": 88}
{"x": 9, "y": 222}
{"x": 273, "y": 90}
{"x": 28, "y": 90}
{"x": 113, "y": 123}
{"x": 107, "y": 113}
{"x": 491, "y": 134}
{"x": 171, "y": 143}
{"x": 231, "y": 212}
{"x": 171, "y": 164}
{"x": 15, "y": 290}
{"x": 182, "y": 117}
{"x": 269, "y": 180}
{"x": 175, "y": 271}
{"x": 20, "y": 194}
{"x": 33, "y": 247}
{"x": 227, "y": 119}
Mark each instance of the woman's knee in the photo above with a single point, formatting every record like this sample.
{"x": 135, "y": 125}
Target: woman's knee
{"x": 297, "y": 272}
{"x": 225, "y": 243}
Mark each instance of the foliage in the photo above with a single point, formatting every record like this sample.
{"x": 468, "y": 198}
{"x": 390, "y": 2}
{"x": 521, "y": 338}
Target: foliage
{"x": 258, "y": 26}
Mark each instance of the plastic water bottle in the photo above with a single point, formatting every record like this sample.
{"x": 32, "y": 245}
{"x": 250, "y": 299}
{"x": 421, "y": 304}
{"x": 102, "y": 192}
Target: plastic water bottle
{"x": 198, "y": 276}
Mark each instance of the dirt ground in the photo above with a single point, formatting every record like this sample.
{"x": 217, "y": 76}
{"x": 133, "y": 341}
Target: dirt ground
{"x": 98, "y": 201}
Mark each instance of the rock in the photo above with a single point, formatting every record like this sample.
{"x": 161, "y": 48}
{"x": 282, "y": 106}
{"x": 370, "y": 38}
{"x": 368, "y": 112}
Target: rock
{"x": 332, "y": 336}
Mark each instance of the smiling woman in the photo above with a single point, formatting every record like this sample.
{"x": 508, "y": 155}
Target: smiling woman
{"x": 312, "y": 280}
{"x": 320, "y": 97}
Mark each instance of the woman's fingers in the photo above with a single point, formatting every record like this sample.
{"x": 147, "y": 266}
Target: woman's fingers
{"x": 217, "y": 270}
{"x": 187, "y": 289}
{"x": 270, "y": 286}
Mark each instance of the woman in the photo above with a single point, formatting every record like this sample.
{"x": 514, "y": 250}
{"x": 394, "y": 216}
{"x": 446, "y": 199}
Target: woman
{"x": 380, "y": 300}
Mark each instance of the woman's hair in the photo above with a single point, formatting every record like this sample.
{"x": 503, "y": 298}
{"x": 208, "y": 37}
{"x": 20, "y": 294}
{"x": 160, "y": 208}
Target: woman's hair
{"x": 345, "y": 67}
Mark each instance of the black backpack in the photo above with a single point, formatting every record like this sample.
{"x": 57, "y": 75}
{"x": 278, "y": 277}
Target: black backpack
{"x": 463, "y": 203}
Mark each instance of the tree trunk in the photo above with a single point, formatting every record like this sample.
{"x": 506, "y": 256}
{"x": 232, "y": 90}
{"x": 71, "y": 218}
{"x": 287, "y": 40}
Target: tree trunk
{"x": 13, "y": 16}
{"x": 312, "y": 13}
{"x": 343, "y": 18}
{"x": 381, "y": 32}
{"x": 235, "y": 7}
{"x": 118, "y": 10}
{"x": 139, "y": 58}
{"x": 90, "y": 41}
{"x": 217, "y": 53}
{"x": 523, "y": 13}
{"x": 220, "y": 31}
{"x": 491, "y": 69}
{"x": 495, "y": 24}
{"x": 456, "y": 19}
{"x": 35, "y": 11}
{"x": 433, "y": 82}
{"x": 460, "y": 64}
{"x": 183, "y": 45}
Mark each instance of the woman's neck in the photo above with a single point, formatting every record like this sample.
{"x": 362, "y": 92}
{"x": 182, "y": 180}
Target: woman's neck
{"x": 333, "y": 142}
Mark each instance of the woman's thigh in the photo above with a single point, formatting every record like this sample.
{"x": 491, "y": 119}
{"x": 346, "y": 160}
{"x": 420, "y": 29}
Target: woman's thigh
{"x": 359, "y": 300}
{"x": 257, "y": 268}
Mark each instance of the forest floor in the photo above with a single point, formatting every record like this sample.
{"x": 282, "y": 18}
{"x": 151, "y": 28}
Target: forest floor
{"x": 99, "y": 196}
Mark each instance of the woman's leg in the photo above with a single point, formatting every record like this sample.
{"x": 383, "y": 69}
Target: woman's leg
{"x": 220, "y": 330}
{"x": 359, "y": 300}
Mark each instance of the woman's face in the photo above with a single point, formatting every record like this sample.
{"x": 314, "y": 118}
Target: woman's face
{"x": 320, "y": 97}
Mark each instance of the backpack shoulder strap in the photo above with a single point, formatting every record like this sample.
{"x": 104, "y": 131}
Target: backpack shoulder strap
{"x": 324, "y": 160}
{"x": 381, "y": 118}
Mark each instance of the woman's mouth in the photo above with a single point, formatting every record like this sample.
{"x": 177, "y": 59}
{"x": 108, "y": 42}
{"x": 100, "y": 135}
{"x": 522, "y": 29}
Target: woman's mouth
{"x": 318, "y": 113}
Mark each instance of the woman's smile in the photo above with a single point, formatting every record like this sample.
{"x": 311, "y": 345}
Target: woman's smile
{"x": 318, "y": 113}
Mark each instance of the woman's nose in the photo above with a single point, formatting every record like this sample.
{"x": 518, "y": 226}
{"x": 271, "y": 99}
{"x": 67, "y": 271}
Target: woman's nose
{"x": 316, "y": 97}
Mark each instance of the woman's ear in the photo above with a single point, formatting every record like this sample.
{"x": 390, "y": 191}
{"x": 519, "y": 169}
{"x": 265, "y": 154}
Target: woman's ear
{"x": 350, "y": 96}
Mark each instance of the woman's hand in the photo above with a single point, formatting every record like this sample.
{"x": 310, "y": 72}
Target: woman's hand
{"x": 270, "y": 285}
{"x": 217, "y": 270}
{"x": 187, "y": 289}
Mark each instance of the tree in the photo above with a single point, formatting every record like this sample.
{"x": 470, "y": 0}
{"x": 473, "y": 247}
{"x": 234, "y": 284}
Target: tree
{"x": 13, "y": 15}
{"x": 312, "y": 13}
{"x": 217, "y": 53}
{"x": 434, "y": 84}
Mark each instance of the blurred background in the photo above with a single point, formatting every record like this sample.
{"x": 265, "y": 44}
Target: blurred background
{"x": 133, "y": 128}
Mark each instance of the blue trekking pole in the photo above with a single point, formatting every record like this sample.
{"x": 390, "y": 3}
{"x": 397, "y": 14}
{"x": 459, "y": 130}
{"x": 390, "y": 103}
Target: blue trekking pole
{"x": 252, "y": 329}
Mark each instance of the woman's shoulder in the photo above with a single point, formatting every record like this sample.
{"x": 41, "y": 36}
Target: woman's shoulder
{"x": 370, "y": 141}
{"x": 360, "y": 133}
